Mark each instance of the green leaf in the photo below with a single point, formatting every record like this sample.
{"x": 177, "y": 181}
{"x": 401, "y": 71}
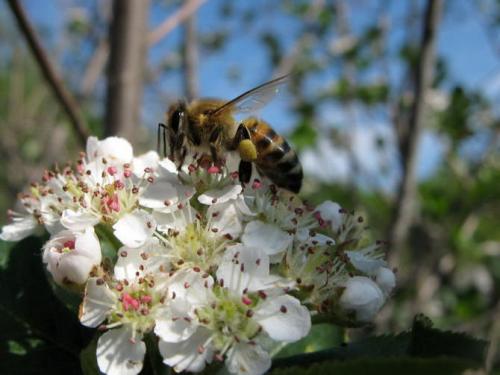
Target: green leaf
{"x": 457, "y": 350}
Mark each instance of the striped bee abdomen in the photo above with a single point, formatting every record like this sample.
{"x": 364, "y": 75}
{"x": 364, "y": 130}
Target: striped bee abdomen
{"x": 275, "y": 158}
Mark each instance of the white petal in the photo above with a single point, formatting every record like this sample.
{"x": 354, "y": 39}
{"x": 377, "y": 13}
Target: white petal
{"x": 244, "y": 268}
{"x": 19, "y": 229}
{"x": 117, "y": 354}
{"x": 133, "y": 263}
{"x": 227, "y": 218}
{"x": 164, "y": 195}
{"x": 223, "y": 195}
{"x": 87, "y": 244}
{"x": 115, "y": 150}
{"x": 189, "y": 355}
{"x": 156, "y": 194}
{"x": 247, "y": 359}
{"x": 284, "y": 318}
{"x": 97, "y": 303}
{"x": 177, "y": 220}
{"x": 175, "y": 328}
{"x": 78, "y": 220}
{"x": 303, "y": 236}
{"x": 92, "y": 146}
{"x": 363, "y": 263}
{"x": 148, "y": 160}
{"x": 192, "y": 287}
{"x": 266, "y": 236}
{"x": 134, "y": 229}
{"x": 168, "y": 169}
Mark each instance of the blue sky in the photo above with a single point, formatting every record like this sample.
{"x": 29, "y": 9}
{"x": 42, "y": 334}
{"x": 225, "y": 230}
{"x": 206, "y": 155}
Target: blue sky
{"x": 462, "y": 41}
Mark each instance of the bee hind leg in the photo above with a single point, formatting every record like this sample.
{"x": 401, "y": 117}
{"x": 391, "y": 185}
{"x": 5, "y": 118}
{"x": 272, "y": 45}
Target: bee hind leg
{"x": 247, "y": 153}
{"x": 245, "y": 171}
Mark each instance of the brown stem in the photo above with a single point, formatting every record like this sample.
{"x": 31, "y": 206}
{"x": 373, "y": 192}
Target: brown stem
{"x": 407, "y": 194}
{"x": 63, "y": 96}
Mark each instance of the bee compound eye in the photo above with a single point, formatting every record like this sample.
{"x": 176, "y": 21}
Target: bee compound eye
{"x": 176, "y": 119}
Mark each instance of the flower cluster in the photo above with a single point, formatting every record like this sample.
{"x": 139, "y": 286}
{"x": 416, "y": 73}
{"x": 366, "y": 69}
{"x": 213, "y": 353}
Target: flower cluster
{"x": 215, "y": 270}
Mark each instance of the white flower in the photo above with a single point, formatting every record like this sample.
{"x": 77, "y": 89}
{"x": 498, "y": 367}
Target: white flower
{"x": 191, "y": 240}
{"x": 70, "y": 257}
{"x": 278, "y": 220}
{"x": 229, "y": 317}
{"x": 21, "y": 227}
{"x": 24, "y": 219}
{"x": 130, "y": 306}
{"x": 362, "y": 297}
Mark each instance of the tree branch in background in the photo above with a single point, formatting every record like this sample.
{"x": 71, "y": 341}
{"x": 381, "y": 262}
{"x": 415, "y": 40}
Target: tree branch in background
{"x": 126, "y": 67}
{"x": 407, "y": 199}
{"x": 190, "y": 58}
{"x": 94, "y": 67}
{"x": 189, "y": 8}
{"x": 63, "y": 96}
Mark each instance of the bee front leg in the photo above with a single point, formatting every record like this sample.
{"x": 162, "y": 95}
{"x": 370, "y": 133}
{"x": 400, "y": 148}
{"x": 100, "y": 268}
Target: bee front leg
{"x": 247, "y": 151}
{"x": 215, "y": 145}
{"x": 180, "y": 149}
{"x": 162, "y": 136}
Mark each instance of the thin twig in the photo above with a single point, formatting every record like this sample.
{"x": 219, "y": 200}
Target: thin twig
{"x": 174, "y": 20}
{"x": 95, "y": 67}
{"x": 63, "y": 96}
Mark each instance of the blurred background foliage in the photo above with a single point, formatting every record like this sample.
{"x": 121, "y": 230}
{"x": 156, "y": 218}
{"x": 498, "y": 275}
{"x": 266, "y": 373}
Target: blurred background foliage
{"x": 348, "y": 110}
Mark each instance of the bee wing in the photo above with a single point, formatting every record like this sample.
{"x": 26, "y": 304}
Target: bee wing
{"x": 254, "y": 99}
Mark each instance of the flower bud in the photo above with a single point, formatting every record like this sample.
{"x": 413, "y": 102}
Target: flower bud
{"x": 386, "y": 280}
{"x": 70, "y": 256}
{"x": 361, "y": 297}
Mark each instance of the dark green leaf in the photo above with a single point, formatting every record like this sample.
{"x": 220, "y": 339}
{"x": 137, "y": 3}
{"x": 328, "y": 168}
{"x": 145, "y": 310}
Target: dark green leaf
{"x": 38, "y": 334}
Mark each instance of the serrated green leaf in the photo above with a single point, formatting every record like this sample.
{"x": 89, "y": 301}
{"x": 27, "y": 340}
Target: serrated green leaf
{"x": 422, "y": 341}
{"x": 386, "y": 366}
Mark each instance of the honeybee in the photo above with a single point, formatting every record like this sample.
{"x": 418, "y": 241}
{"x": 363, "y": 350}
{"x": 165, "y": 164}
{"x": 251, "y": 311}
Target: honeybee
{"x": 209, "y": 125}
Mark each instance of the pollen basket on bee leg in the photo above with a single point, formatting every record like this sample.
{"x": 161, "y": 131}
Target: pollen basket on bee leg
{"x": 247, "y": 150}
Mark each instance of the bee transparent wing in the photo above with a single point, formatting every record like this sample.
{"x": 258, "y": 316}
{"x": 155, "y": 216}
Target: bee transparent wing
{"x": 254, "y": 99}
